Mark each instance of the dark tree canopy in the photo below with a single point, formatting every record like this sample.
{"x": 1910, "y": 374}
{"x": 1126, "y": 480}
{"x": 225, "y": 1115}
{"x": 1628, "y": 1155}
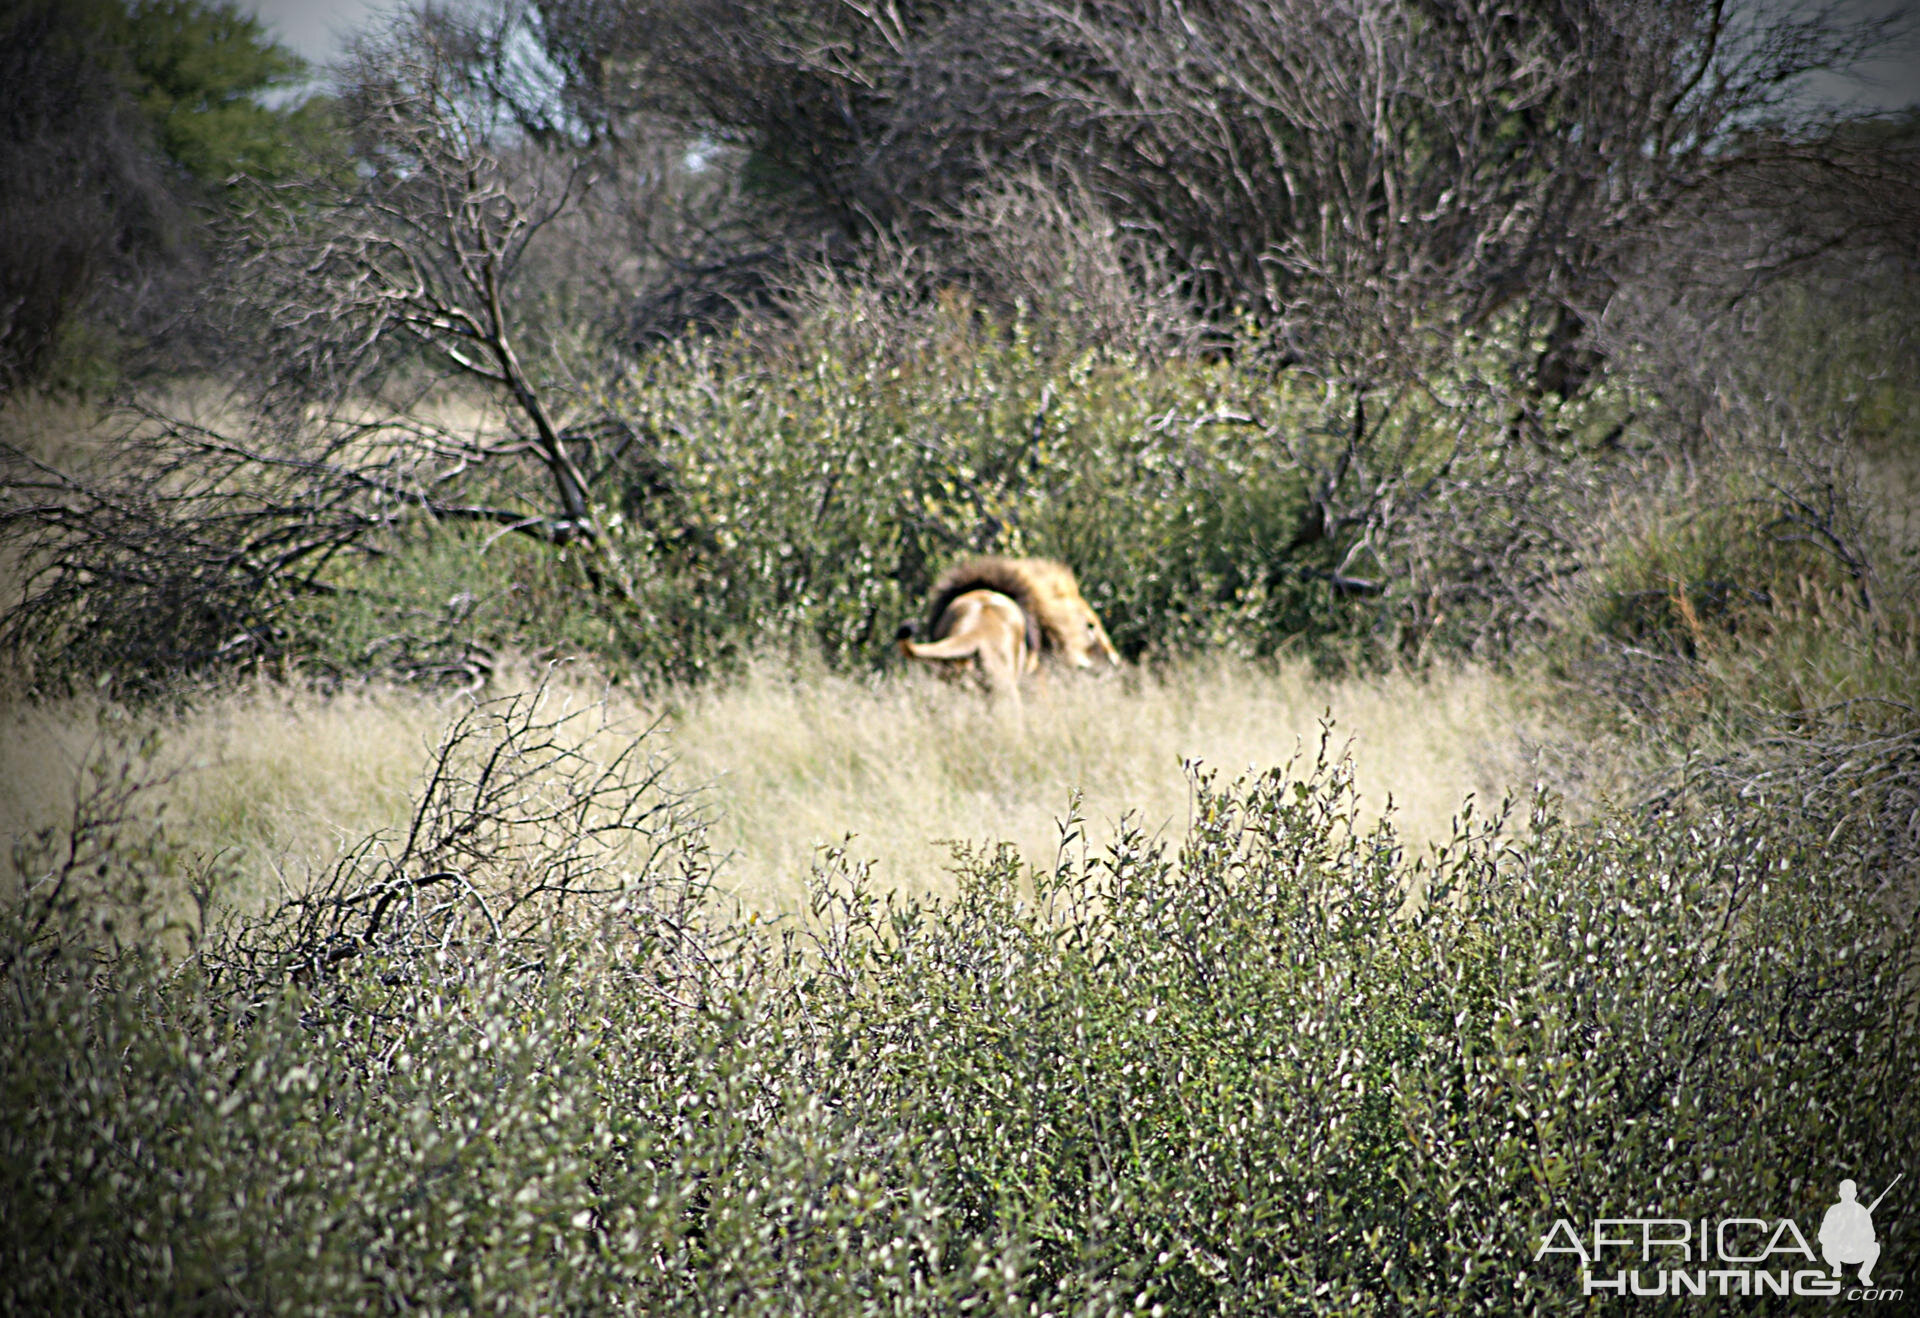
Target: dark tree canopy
{"x": 198, "y": 70}
{"x": 118, "y": 124}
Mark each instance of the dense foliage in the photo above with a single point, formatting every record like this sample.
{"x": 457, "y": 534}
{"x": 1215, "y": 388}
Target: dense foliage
{"x": 1281, "y": 1066}
{"x": 811, "y": 500}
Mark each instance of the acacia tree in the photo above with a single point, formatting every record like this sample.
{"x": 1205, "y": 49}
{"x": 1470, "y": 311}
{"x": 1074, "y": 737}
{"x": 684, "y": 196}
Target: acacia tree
{"x": 846, "y": 126}
{"x": 1338, "y": 166}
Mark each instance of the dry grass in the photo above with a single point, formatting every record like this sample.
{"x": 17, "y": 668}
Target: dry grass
{"x": 907, "y": 765}
{"x": 277, "y": 780}
{"x": 268, "y": 782}
{"x": 54, "y": 430}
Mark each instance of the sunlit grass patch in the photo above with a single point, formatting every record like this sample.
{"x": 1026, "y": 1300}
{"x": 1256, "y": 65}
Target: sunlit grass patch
{"x": 268, "y": 783}
{"x": 264, "y": 784}
{"x": 798, "y": 760}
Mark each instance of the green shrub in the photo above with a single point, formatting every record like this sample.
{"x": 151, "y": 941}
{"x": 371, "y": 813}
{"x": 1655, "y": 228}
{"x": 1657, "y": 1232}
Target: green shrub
{"x": 443, "y": 603}
{"x": 812, "y": 503}
{"x": 821, "y": 500}
{"x": 813, "y": 496}
{"x": 1701, "y": 576}
{"x": 1730, "y": 611}
{"x": 1279, "y": 1068}
{"x": 1234, "y": 1080}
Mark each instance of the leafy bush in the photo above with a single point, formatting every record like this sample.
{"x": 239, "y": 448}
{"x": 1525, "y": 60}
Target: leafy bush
{"x": 764, "y": 496}
{"x": 1702, "y": 576}
{"x": 812, "y": 502}
{"x": 1236, "y": 1081}
{"x": 1280, "y": 1067}
{"x": 820, "y": 499}
{"x": 808, "y": 497}
{"x": 441, "y": 604}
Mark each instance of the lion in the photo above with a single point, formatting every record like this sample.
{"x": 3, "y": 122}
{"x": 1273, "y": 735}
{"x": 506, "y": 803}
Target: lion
{"x": 998, "y": 617}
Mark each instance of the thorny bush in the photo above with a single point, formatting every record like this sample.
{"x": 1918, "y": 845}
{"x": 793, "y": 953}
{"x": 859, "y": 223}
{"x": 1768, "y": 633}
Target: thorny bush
{"x": 1279, "y": 1066}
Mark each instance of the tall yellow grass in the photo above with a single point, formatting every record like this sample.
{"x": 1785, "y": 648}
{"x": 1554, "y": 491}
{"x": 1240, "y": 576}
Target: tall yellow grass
{"x": 268, "y": 783}
{"x": 907, "y": 765}
{"x": 276, "y": 780}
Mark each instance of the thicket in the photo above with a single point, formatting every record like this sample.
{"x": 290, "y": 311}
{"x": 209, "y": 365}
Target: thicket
{"x": 1370, "y": 438}
{"x": 504, "y": 1061}
{"x": 748, "y": 496}
{"x": 808, "y": 497}
{"x": 517, "y": 1055}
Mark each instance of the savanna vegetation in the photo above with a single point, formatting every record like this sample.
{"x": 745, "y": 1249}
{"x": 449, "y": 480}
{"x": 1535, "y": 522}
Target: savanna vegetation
{"x": 473, "y": 844}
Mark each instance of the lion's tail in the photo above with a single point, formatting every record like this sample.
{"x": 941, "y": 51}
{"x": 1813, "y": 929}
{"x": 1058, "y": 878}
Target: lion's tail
{"x": 949, "y": 649}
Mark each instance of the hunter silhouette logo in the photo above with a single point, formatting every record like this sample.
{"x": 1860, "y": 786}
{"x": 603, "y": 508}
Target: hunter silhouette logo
{"x": 1846, "y": 1232}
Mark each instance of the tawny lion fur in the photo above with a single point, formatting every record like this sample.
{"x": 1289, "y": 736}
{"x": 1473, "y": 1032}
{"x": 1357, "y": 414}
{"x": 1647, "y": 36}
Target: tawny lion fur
{"x": 998, "y": 616}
